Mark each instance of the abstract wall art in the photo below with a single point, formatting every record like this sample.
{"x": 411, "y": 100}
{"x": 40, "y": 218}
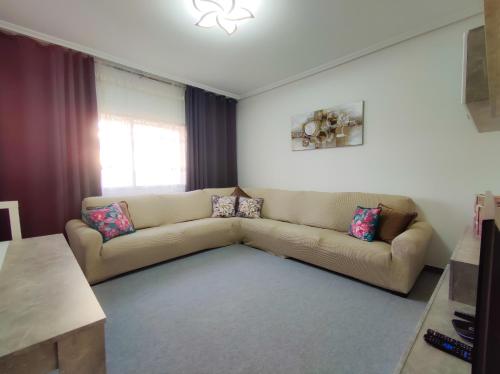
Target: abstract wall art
{"x": 338, "y": 126}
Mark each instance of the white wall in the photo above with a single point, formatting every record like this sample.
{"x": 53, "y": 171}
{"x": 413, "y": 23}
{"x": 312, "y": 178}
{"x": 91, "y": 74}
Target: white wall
{"x": 418, "y": 139}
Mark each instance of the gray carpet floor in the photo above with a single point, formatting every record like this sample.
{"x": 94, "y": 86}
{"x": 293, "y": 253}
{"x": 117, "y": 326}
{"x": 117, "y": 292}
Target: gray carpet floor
{"x": 240, "y": 310}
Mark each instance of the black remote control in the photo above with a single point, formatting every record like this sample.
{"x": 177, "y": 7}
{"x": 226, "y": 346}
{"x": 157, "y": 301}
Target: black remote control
{"x": 465, "y": 316}
{"x": 465, "y": 329}
{"x": 449, "y": 345}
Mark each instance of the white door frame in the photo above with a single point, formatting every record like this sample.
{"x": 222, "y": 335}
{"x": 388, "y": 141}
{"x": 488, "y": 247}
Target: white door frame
{"x": 15, "y": 225}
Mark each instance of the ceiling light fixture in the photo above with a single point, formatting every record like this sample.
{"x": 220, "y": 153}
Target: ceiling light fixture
{"x": 223, "y": 13}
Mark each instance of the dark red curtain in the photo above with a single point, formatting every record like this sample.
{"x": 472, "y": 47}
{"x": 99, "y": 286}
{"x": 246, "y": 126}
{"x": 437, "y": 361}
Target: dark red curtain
{"x": 49, "y": 149}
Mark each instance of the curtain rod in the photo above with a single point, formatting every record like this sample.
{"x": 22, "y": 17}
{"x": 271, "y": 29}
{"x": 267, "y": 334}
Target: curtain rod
{"x": 10, "y": 28}
{"x": 139, "y": 73}
{"x": 102, "y": 61}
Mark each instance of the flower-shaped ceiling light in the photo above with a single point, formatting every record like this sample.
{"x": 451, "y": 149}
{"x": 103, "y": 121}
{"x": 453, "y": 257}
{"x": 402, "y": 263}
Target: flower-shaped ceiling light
{"x": 224, "y": 13}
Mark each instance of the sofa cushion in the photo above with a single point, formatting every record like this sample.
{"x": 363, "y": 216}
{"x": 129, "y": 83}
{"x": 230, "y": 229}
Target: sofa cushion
{"x": 110, "y": 221}
{"x": 279, "y": 205}
{"x": 291, "y": 239}
{"x": 333, "y": 250}
{"x": 225, "y": 191}
{"x": 281, "y": 238}
{"x": 238, "y": 192}
{"x": 368, "y": 261}
{"x": 188, "y": 206}
{"x": 318, "y": 209}
{"x": 155, "y": 210}
{"x": 300, "y": 241}
{"x": 365, "y": 223}
{"x": 145, "y": 210}
{"x": 334, "y": 210}
{"x": 223, "y": 206}
{"x": 347, "y": 247}
{"x": 258, "y": 232}
{"x": 123, "y": 205}
{"x": 184, "y": 206}
{"x": 249, "y": 208}
{"x": 168, "y": 241}
{"x": 392, "y": 223}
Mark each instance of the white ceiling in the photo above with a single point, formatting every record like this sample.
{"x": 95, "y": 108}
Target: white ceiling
{"x": 288, "y": 39}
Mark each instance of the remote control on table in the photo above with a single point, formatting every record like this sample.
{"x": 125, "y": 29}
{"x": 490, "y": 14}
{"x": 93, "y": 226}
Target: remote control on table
{"x": 465, "y": 329}
{"x": 465, "y": 316}
{"x": 449, "y": 345}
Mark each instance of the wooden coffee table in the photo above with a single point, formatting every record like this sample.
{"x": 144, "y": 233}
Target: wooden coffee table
{"x": 49, "y": 316}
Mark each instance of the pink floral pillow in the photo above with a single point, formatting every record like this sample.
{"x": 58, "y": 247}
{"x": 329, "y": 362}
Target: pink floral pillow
{"x": 364, "y": 223}
{"x": 110, "y": 221}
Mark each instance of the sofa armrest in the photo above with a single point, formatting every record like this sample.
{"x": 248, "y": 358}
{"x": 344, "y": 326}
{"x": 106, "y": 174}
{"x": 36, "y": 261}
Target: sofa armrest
{"x": 408, "y": 252}
{"x": 84, "y": 241}
{"x": 413, "y": 241}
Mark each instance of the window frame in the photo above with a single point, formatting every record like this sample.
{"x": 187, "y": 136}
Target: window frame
{"x": 136, "y": 189}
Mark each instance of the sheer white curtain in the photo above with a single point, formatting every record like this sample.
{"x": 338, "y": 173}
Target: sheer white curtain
{"x": 142, "y": 133}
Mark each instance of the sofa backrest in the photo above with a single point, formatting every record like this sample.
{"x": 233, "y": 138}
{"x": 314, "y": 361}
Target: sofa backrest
{"x": 155, "y": 210}
{"x": 188, "y": 206}
{"x": 145, "y": 210}
{"x": 329, "y": 210}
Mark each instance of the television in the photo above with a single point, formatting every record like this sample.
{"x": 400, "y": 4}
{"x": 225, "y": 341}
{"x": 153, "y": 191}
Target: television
{"x": 486, "y": 351}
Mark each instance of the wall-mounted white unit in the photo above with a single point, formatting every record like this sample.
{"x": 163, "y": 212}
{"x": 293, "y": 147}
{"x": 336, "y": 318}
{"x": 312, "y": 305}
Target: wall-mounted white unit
{"x": 481, "y": 72}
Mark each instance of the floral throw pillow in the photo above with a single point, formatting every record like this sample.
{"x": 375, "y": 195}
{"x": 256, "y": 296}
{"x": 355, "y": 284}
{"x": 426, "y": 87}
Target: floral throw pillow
{"x": 124, "y": 207}
{"x": 223, "y": 206}
{"x": 249, "y": 208}
{"x": 110, "y": 221}
{"x": 364, "y": 223}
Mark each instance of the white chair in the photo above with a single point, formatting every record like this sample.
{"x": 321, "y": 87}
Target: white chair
{"x": 15, "y": 225}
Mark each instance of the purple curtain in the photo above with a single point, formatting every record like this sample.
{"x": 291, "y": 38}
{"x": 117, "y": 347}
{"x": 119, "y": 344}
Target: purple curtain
{"x": 211, "y": 140}
{"x": 49, "y": 149}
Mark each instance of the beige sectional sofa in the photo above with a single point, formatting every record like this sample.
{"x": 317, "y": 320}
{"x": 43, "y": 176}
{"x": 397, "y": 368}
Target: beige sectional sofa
{"x": 308, "y": 226}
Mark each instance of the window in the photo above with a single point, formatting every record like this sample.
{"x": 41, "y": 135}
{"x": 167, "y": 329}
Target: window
{"x": 142, "y": 133}
{"x": 139, "y": 156}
